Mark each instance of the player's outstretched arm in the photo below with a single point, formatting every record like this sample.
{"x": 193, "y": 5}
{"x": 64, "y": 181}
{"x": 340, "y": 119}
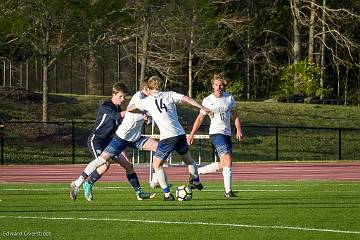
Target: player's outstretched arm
{"x": 131, "y": 108}
{"x": 194, "y": 103}
{"x": 134, "y": 109}
{"x": 196, "y": 126}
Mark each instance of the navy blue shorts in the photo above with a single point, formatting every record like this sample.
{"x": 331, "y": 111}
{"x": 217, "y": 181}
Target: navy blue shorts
{"x": 168, "y": 145}
{"x": 222, "y": 143}
{"x": 117, "y": 145}
{"x": 97, "y": 146}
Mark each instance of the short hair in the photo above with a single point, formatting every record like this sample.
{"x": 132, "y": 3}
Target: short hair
{"x": 218, "y": 77}
{"x": 144, "y": 83}
{"x": 154, "y": 83}
{"x": 119, "y": 87}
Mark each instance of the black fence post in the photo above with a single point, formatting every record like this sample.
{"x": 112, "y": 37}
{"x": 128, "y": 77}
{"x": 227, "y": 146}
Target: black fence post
{"x": 277, "y": 143}
{"x": 340, "y": 131}
{"x": 73, "y": 141}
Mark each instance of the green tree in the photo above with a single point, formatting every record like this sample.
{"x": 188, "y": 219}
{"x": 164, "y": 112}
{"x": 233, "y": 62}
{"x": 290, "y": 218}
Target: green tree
{"x": 301, "y": 78}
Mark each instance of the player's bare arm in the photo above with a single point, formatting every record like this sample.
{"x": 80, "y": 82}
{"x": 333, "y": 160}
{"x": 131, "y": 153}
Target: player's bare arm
{"x": 197, "y": 124}
{"x": 132, "y": 108}
{"x": 194, "y": 103}
{"x": 239, "y": 133}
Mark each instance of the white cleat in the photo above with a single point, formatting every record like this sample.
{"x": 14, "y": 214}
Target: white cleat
{"x": 74, "y": 190}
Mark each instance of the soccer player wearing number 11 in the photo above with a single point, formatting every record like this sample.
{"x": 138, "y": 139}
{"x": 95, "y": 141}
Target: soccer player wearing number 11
{"x": 224, "y": 107}
{"x": 162, "y": 107}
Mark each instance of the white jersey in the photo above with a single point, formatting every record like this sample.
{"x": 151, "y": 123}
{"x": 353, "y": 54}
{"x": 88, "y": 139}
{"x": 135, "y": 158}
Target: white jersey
{"x": 162, "y": 108}
{"x": 221, "y": 106}
{"x": 131, "y": 126}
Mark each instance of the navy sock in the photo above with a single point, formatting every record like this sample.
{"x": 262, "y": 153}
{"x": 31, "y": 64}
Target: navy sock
{"x": 166, "y": 190}
{"x": 84, "y": 175}
{"x": 134, "y": 181}
{"x": 94, "y": 176}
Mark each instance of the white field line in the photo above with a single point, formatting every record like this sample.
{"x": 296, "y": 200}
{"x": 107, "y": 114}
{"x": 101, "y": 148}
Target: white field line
{"x": 234, "y": 225}
{"x": 125, "y": 188}
{"x": 238, "y": 189}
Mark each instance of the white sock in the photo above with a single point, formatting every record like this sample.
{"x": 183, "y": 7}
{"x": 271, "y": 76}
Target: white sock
{"x": 154, "y": 178}
{"x": 79, "y": 181}
{"x": 92, "y": 166}
{"x": 161, "y": 177}
{"x": 227, "y": 179}
{"x": 193, "y": 170}
{"x": 210, "y": 168}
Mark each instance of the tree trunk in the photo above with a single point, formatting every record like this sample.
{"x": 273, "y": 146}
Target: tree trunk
{"x": 248, "y": 56}
{"x": 311, "y": 33}
{"x": 190, "y": 64}
{"x": 346, "y": 87}
{"x": 191, "y": 43}
{"x": 145, "y": 44}
{"x": 45, "y": 68}
{"x": 92, "y": 81}
{"x": 323, "y": 46}
{"x": 297, "y": 51}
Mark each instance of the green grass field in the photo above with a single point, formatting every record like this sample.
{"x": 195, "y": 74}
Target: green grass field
{"x": 263, "y": 210}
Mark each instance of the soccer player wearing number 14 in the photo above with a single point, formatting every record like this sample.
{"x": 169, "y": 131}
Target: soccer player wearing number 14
{"x": 162, "y": 107}
{"x": 224, "y": 106}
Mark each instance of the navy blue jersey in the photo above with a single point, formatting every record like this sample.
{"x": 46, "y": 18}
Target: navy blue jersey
{"x": 107, "y": 121}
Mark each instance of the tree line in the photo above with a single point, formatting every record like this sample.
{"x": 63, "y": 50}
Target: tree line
{"x": 264, "y": 48}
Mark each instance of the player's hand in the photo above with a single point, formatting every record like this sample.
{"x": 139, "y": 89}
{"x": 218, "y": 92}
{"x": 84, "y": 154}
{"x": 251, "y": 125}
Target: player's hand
{"x": 190, "y": 139}
{"x": 147, "y": 118}
{"x": 209, "y": 112}
{"x": 122, "y": 114}
{"x": 239, "y": 136}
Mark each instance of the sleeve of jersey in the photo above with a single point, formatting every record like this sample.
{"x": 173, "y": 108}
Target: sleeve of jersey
{"x": 140, "y": 104}
{"x": 177, "y": 97}
{"x": 205, "y": 105}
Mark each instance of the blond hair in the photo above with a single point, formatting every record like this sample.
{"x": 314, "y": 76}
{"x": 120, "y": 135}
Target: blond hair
{"x": 219, "y": 78}
{"x": 154, "y": 83}
{"x": 119, "y": 87}
{"x": 144, "y": 83}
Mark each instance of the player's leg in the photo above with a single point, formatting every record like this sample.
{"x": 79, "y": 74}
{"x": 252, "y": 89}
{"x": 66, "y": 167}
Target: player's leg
{"x": 151, "y": 145}
{"x": 75, "y": 185}
{"x": 226, "y": 160}
{"x": 210, "y": 168}
{"x": 94, "y": 177}
{"x": 95, "y": 147}
{"x": 132, "y": 177}
{"x": 182, "y": 148}
{"x": 164, "y": 148}
{"x": 223, "y": 147}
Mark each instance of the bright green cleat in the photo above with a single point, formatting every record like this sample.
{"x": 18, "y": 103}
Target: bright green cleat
{"x": 140, "y": 195}
{"x": 88, "y": 191}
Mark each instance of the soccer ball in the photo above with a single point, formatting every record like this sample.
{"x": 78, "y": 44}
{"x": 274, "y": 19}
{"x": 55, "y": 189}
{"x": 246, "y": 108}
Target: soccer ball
{"x": 183, "y": 193}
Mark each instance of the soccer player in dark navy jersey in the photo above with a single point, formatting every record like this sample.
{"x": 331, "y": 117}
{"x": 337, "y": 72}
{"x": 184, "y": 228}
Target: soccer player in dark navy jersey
{"x": 108, "y": 119}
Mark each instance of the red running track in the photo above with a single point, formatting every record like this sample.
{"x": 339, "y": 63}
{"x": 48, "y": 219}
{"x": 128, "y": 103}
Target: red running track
{"x": 344, "y": 171}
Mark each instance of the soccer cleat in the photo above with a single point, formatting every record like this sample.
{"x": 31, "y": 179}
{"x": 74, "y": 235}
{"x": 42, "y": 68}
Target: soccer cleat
{"x": 169, "y": 198}
{"x": 88, "y": 191}
{"x": 144, "y": 195}
{"x": 74, "y": 190}
{"x": 194, "y": 184}
{"x": 230, "y": 194}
